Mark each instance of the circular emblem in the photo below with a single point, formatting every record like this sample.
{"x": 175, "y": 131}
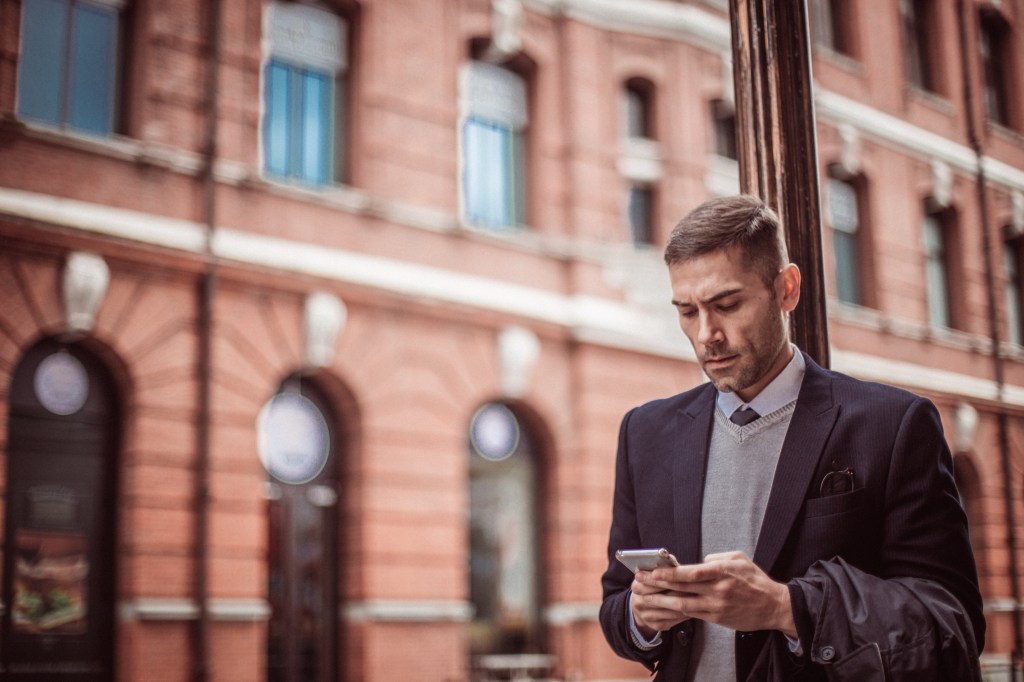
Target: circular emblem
{"x": 61, "y": 383}
{"x": 293, "y": 441}
{"x": 494, "y": 432}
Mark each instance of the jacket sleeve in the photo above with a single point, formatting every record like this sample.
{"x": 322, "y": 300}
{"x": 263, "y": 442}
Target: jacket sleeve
{"x": 916, "y": 609}
{"x": 863, "y": 628}
{"x": 617, "y": 578}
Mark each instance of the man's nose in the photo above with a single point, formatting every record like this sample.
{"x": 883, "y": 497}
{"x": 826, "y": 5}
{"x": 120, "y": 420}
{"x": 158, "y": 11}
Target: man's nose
{"x": 708, "y": 331}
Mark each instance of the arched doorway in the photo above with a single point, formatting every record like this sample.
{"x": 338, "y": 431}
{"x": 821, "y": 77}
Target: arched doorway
{"x": 504, "y": 533}
{"x": 298, "y": 445}
{"x": 60, "y": 513}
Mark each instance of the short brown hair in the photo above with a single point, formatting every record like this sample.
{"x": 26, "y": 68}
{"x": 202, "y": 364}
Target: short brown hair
{"x": 718, "y": 224}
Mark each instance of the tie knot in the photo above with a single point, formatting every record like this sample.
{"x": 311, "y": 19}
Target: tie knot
{"x": 743, "y": 416}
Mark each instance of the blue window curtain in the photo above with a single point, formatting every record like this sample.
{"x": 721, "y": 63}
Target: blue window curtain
{"x": 493, "y": 174}
{"x": 845, "y": 222}
{"x": 298, "y": 127}
{"x": 494, "y": 118}
{"x": 936, "y": 273}
{"x": 68, "y": 70}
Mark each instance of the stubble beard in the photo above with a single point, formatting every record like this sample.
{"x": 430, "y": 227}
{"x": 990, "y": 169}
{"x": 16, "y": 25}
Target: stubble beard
{"x": 755, "y": 359}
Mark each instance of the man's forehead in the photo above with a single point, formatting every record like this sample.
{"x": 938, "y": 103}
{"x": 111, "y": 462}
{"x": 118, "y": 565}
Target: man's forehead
{"x": 711, "y": 277}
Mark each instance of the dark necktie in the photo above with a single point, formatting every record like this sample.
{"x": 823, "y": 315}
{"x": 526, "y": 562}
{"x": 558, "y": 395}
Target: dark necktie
{"x": 743, "y": 416}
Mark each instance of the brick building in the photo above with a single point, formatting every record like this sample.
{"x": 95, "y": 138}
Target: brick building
{"x": 319, "y": 318}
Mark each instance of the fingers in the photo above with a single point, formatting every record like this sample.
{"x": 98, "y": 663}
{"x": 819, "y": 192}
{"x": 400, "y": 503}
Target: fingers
{"x": 654, "y": 611}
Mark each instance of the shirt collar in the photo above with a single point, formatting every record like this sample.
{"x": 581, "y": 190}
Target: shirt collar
{"x": 783, "y": 390}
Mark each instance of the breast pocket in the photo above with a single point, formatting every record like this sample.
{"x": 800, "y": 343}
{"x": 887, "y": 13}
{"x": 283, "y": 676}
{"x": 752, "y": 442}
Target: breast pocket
{"x": 837, "y": 525}
{"x": 835, "y": 504}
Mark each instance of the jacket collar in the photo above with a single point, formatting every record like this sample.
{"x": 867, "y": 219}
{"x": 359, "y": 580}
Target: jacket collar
{"x": 808, "y": 433}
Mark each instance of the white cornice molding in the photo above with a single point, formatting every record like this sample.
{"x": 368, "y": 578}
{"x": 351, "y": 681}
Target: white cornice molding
{"x": 656, "y": 18}
{"x": 602, "y": 321}
{"x": 896, "y": 132}
{"x": 408, "y": 611}
{"x": 162, "y": 609}
{"x": 567, "y": 613}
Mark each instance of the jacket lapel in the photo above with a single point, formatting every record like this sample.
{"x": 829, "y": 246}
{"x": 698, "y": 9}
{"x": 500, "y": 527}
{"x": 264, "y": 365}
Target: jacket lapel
{"x": 812, "y": 422}
{"x": 691, "y": 441}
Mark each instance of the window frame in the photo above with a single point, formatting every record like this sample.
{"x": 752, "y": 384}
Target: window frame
{"x": 920, "y": 58}
{"x": 994, "y": 49}
{"x": 943, "y": 222}
{"x": 302, "y": 67}
{"x": 1013, "y": 269}
{"x": 69, "y": 97}
{"x": 494, "y": 121}
{"x": 833, "y": 28}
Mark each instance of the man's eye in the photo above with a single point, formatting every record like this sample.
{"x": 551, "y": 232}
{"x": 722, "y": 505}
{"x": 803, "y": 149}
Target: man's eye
{"x": 688, "y": 314}
{"x": 727, "y": 307}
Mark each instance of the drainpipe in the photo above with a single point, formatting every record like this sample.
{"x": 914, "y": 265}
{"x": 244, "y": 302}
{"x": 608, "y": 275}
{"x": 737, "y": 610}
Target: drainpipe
{"x": 997, "y": 360}
{"x": 207, "y": 290}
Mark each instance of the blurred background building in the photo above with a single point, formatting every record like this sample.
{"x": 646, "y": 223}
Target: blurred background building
{"x": 317, "y": 319}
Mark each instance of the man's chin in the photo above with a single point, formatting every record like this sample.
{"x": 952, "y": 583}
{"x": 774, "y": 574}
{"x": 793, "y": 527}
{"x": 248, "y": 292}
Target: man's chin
{"x": 723, "y": 384}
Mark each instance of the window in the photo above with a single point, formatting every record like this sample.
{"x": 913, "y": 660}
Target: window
{"x": 918, "y": 32}
{"x": 638, "y": 119}
{"x": 303, "y": 89}
{"x": 832, "y": 24}
{"x": 641, "y": 218}
{"x": 642, "y": 152}
{"x": 68, "y": 72}
{"x": 297, "y": 447}
{"x": 995, "y": 55}
{"x": 1013, "y": 257}
{"x": 723, "y": 116}
{"x": 503, "y": 539}
{"x": 844, "y": 220}
{"x": 940, "y": 273}
{"x": 494, "y": 122}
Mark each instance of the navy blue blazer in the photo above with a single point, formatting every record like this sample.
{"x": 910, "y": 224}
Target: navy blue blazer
{"x": 903, "y": 517}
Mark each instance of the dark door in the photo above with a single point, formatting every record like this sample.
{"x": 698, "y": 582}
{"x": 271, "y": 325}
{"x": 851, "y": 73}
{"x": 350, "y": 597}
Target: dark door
{"x": 297, "y": 448}
{"x": 59, "y": 533}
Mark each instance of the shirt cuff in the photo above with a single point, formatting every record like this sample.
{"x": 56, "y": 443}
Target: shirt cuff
{"x": 794, "y": 645}
{"x": 639, "y": 640}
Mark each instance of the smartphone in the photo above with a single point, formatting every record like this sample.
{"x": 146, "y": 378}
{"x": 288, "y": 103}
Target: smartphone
{"x": 646, "y": 559}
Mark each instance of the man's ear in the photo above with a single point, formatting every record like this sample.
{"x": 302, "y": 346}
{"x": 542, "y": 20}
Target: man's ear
{"x": 787, "y": 287}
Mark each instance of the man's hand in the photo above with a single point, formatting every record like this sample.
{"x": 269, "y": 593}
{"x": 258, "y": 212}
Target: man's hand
{"x": 653, "y": 616}
{"x": 728, "y": 589}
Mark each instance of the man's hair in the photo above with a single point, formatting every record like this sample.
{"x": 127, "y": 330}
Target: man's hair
{"x": 719, "y": 224}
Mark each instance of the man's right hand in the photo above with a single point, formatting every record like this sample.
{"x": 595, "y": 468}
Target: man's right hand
{"x": 651, "y": 619}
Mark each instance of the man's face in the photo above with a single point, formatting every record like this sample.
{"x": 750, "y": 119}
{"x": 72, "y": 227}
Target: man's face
{"x": 737, "y": 324}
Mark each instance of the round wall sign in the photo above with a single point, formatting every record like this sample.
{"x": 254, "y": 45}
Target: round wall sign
{"x": 61, "y": 383}
{"x": 494, "y": 432}
{"x": 293, "y": 440}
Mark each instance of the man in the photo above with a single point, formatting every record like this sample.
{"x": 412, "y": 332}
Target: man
{"x": 822, "y": 536}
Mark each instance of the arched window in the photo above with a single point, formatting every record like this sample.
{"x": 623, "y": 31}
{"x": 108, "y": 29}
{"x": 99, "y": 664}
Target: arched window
{"x": 59, "y": 544}
{"x": 995, "y": 46}
{"x": 504, "y": 501}
{"x": 298, "y": 447}
{"x": 69, "y": 70}
{"x": 640, "y": 163}
{"x": 920, "y": 33}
